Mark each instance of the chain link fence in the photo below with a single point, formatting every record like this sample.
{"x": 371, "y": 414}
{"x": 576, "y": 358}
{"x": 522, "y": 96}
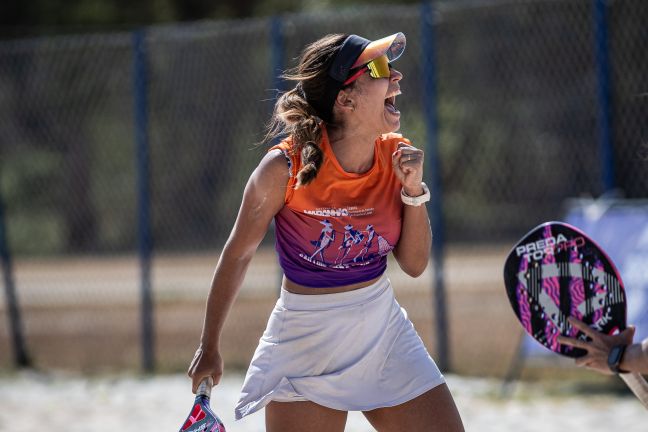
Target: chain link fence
{"x": 519, "y": 112}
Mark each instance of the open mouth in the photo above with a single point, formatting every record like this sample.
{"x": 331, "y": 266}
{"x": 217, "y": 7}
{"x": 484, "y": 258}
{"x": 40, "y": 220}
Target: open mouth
{"x": 390, "y": 103}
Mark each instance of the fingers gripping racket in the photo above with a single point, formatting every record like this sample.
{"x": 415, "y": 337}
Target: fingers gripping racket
{"x": 556, "y": 271}
{"x": 202, "y": 418}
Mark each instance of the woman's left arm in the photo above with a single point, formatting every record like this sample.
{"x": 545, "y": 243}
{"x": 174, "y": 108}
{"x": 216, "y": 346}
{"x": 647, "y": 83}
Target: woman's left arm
{"x": 413, "y": 249}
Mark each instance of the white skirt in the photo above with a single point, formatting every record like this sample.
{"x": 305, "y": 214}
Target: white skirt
{"x": 350, "y": 351}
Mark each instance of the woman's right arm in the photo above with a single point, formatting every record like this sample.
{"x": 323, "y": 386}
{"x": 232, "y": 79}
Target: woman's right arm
{"x": 263, "y": 198}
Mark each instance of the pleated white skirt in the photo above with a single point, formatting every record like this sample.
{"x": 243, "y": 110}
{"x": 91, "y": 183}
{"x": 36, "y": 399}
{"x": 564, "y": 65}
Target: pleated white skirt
{"x": 351, "y": 351}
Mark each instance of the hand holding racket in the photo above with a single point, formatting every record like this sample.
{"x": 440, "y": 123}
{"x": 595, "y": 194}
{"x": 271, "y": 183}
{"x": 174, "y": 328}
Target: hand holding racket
{"x": 597, "y": 346}
{"x": 556, "y": 272}
{"x": 201, "y": 418}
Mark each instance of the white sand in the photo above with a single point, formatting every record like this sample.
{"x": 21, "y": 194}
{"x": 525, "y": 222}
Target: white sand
{"x": 56, "y": 402}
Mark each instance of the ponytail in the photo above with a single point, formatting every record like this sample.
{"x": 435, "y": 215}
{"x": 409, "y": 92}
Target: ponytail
{"x": 294, "y": 117}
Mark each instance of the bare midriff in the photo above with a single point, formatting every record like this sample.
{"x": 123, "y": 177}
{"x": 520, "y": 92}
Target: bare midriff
{"x": 300, "y": 289}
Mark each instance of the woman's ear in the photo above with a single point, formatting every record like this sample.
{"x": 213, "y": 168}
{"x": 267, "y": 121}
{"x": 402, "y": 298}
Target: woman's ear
{"x": 344, "y": 100}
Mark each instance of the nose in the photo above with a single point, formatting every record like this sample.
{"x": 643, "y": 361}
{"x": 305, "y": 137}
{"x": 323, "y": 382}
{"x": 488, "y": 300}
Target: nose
{"x": 395, "y": 75}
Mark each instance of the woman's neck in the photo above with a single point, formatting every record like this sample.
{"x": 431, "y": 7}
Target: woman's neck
{"x": 353, "y": 150}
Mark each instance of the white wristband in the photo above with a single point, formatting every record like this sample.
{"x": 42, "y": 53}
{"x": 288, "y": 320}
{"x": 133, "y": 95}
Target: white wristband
{"x": 418, "y": 200}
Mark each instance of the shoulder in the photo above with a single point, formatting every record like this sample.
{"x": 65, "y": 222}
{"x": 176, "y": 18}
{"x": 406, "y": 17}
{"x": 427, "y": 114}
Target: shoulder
{"x": 266, "y": 187}
{"x": 290, "y": 156}
{"x": 272, "y": 167}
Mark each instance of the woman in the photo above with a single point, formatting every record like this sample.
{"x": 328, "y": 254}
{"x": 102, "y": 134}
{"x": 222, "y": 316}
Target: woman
{"x": 337, "y": 340}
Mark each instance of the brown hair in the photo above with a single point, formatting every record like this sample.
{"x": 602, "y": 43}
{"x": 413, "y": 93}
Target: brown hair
{"x": 294, "y": 116}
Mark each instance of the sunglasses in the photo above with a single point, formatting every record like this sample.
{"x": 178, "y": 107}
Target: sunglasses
{"x": 377, "y": 68}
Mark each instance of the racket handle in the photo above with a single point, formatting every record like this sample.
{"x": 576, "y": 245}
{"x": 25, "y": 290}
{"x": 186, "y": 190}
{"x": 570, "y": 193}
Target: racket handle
{"x": 205, "y": 386}
{"x": 638, "y": 385}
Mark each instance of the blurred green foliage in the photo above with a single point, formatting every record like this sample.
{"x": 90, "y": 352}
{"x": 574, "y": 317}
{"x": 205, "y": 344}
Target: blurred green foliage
{"x": 47, "y": 17}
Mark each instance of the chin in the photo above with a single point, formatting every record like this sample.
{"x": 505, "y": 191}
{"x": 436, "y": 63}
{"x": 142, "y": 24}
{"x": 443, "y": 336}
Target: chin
{"x": 391, "y": 127}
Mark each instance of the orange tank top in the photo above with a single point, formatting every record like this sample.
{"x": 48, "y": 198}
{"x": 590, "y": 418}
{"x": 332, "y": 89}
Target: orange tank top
{"x": 338, "y": 229}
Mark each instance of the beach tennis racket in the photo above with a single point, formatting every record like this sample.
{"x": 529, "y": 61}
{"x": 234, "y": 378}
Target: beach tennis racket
{"x": 201, "y": 418}
{"x": 556, "y": 271}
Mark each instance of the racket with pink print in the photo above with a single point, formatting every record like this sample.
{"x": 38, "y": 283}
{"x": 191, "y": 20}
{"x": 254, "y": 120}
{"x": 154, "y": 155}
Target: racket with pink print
{"x": 202, "y": 418}
{"x": 556, "y": 271}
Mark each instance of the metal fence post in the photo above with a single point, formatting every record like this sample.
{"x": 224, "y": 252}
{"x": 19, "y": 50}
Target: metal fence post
{"x": 277, "y": 52}
{"x": 434, "y": 179}
{"x": 21, "y": 359}
{"x": 140, "y": 94}
{"x": 606, "y": 144}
